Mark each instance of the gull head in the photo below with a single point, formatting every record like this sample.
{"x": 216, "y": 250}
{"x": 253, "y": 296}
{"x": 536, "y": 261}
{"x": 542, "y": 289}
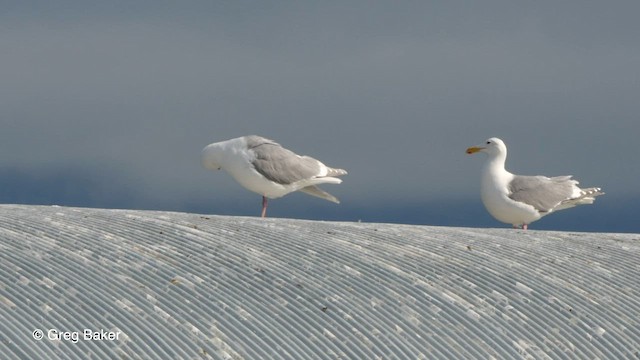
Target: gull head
{"x": 212, "y": 156}
{"x": 492, "y": 147}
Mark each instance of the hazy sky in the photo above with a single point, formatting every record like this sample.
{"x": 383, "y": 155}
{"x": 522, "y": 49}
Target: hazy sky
{"x": 110, "y": 103}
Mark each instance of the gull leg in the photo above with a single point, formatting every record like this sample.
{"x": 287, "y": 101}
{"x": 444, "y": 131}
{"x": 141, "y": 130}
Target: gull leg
{"x": 525, "y": 226}
{"x": 264, "y": 206}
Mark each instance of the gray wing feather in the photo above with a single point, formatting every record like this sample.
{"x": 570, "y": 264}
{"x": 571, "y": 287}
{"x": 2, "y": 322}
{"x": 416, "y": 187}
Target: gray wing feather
{"x": 316, "y": 191}
{"x": 279, "y": 164}
{"x": 541, "y": 192}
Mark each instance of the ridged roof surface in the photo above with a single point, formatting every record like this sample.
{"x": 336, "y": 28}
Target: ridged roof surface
{"x": 176, "y": 285}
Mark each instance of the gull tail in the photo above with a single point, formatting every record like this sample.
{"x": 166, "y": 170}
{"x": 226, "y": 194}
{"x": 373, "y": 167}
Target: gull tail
{"x": 336, "y": 172}
{"x": 587, "y": 196}
{"x": 317, "y": 192}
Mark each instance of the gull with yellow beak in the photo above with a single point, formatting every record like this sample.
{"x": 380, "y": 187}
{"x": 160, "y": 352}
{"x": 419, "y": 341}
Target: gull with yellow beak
{"x": 520, "y": 200}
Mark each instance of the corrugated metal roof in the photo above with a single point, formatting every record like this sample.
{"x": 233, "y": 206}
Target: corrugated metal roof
{"x": 175, "y": 285}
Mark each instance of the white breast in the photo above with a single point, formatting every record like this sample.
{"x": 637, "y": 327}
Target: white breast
{"x": 238, "y": 165}
{"x": 495, "y": 197}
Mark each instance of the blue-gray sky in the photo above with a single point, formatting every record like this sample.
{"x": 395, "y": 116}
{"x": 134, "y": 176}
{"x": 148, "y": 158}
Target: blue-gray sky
{"x": 108, "y": 104}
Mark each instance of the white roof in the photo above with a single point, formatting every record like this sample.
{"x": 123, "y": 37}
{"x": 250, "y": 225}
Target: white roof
{"x": 191, "y": 286}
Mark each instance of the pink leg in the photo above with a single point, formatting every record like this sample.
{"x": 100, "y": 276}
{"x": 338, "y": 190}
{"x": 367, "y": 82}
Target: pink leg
{"x": 264, "y": 206}
{"x": 525, "y": 226}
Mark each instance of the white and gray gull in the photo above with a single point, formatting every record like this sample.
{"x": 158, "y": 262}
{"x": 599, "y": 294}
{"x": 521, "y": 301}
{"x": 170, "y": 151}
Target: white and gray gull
{"x": 520, "y": 200}
{"x": 265, "y": 167}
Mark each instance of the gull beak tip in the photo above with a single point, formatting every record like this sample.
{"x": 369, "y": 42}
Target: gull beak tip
{"x": 473, "y": 149}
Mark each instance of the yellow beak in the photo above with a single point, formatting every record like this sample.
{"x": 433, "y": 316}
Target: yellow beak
{"x": 474, "y": 149}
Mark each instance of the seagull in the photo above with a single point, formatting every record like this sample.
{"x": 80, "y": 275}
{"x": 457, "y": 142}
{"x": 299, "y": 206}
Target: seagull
{"x": 265, "y": 167}
{"x": 520, "y": 200}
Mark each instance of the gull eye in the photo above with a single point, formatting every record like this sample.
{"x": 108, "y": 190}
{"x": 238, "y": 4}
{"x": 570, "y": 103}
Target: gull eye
{"x": 488, "y": 142}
